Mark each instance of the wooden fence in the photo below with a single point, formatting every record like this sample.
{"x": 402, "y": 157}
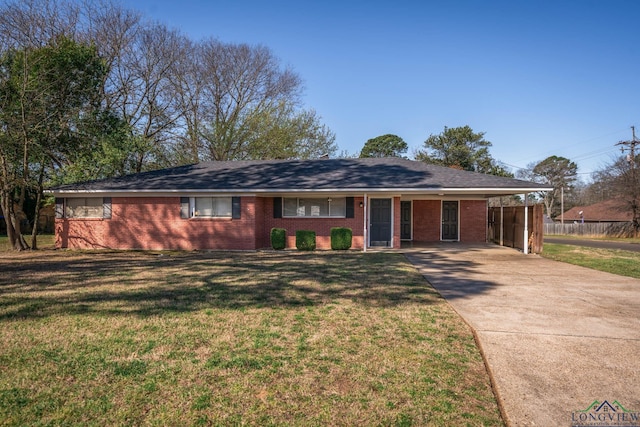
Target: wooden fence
{"x": 604, "y": 229}
{"x": 506, "y": 227}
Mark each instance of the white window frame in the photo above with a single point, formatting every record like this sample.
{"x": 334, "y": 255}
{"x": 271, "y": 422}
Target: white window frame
{"x": 72, "y": 213}
{"x": 328, "y": 200}
{"x": 196, "y": 214}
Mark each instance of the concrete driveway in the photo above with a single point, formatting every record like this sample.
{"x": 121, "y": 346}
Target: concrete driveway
{"x": 555, "y": 337}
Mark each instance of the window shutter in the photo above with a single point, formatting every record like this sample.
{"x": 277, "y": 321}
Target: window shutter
{"x": 106, "y": 208}
{"x": 184, "y": 207}
{"x": 236, "y": 212}
{"x": 350, "y": 213}
{"x": 277, "y": 207}
{"x": 59, "y": 207}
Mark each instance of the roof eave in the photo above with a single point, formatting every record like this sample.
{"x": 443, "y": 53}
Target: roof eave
{"x": 429, "y": 190}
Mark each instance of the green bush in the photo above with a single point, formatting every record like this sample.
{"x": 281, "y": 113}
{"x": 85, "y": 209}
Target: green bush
{"x": 341, "y": 238}
{"x": 305, "y": 240}
{"x": 278, "y": 238}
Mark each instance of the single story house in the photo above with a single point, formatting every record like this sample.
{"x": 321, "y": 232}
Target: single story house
{"x": 234, "y": 205}
{"x": 612, "y": 210}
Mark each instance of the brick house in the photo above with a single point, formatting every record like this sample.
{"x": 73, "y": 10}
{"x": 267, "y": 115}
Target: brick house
{"x": 234, "y": 205}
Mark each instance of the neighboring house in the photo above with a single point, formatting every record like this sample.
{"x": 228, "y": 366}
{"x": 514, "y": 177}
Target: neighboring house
{"x": 612, "y": 210}
{"x": 234, "y": 205}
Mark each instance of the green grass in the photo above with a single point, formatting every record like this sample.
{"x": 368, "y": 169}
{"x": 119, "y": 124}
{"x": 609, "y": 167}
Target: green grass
{"x": 141, "y": 338}
{"x": 624, "y": 263}
{"x": 604, "y": 238}
{"x": 45, "y": 241}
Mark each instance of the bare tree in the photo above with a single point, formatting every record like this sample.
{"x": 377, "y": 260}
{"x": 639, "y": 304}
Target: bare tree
{"x": 187, "y": 90}
{"x": 32, "y": 23}
{"x": 243, "y": 88}
{"x": 621, "y": 180}
{"x": 142, "y": 59}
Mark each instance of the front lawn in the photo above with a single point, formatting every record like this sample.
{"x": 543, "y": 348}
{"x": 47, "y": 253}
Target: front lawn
{"x": 604, "y": 238}
{"x": 624, "y": 263}
{"x": 142, "y": 338}
{"x": 44, "y": 241}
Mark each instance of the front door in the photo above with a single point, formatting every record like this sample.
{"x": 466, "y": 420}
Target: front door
{"x": 405, "y": 220}
{"x": 380, "y": 226}
{"x": 449, "y": 220}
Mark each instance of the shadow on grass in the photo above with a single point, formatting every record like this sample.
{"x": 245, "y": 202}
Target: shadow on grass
{"x": 143, "y": 283}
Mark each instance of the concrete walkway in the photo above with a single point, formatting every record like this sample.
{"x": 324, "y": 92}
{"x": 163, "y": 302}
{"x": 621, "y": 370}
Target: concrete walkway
{"x": 555, "y": 337}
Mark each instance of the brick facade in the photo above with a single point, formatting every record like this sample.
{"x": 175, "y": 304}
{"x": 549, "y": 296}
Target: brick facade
{"x": 473, "y": 221}
{"x": 426, "y": 220}
{"x": 322, "y": 226}
{"x": 155, "y": 223}
{"x": 427, "y": 217}
{"x": 396, "y": 223}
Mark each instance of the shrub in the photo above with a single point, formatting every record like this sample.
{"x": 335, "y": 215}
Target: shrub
{"x": 305, "y": 240}
{"x": 341, "y": 238}
{"x": 278, "y": 238}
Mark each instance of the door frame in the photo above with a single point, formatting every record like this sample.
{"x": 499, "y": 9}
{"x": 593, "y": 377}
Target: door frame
{"x": 442, "y": 202}
{"x": 368, "y": 243}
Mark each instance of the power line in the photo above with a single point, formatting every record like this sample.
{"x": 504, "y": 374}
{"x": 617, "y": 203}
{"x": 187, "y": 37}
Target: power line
{"x": 581, "y": 157}
{"x": 632, "y": 190}
{"x": 631, "y": 146}
{"x": 579, "y": 143}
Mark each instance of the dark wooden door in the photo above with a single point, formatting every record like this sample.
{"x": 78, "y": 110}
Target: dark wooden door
{"x": 380, "y": 228}
{"x": 449, "y": 220}
{"x": 405, "y": 220}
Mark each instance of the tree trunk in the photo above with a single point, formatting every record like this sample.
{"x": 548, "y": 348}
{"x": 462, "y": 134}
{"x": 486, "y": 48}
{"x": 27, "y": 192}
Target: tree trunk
{"x": 36, "y": 215}
{"x": 5, "y": 202}
{"x": 21, "y": 243}
{"x": 16, "y": 239}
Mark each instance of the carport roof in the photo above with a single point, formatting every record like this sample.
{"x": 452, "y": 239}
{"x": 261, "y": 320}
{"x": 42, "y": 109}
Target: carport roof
{"x": 393, "y": 175}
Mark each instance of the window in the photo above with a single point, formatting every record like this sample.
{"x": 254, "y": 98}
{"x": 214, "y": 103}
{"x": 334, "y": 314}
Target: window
{"x": 314, "y": 207}
{"x": 84, "y": 207}
{"x": 211, "y": 207}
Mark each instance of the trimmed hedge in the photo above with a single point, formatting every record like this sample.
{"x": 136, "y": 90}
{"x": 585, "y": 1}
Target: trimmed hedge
{"x": 341, "y": 238}
{"x": 278, "y": 238}
{"x": 305, "y": 240}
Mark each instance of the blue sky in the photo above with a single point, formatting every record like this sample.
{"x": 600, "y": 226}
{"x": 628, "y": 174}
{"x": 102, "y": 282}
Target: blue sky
{"x": 540, "y": 78}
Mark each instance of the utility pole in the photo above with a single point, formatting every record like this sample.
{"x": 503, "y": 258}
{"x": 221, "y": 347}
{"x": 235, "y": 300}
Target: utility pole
{"x": 634, "y": 192}
{"x": 631, "y": 146}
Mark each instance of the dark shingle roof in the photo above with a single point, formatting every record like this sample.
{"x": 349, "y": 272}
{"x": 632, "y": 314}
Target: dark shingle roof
{"x": 386, "y": 174}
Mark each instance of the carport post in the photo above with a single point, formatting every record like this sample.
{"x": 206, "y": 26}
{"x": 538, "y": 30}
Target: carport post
{"x": 501, "y": 223}
{"x": 364, "y": 232}
{"x": 526, "y": 224}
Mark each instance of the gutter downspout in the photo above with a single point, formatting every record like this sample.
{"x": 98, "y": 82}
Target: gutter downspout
{"x": 365, "y": 230}
{"x": 526, "y": 224}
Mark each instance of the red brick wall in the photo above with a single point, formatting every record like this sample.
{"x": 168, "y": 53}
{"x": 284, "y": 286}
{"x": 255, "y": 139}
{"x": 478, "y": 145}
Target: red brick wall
{"x": 473, "y": 221}
{"x": 322, "y": 226}
{"x": 81, "y": 233}
{"x": 262, "y": 234}
{"x": 396, "y": 223}
{"x": 155, "y": 223}
{"x": 426, "y": 220}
